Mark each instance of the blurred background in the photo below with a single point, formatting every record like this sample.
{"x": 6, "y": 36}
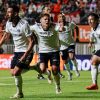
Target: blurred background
{"x": 74, "y": 10}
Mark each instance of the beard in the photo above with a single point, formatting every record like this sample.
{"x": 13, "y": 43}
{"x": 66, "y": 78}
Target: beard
{"x": 13, "y": 18}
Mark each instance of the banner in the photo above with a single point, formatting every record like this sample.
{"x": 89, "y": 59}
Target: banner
{"x": 84, "y": 31}
{"x": 83, "y": 62}
{"x": 5, "y": 61}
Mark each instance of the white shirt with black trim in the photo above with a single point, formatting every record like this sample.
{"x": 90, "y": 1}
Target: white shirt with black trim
{"x": 19, "y": 33}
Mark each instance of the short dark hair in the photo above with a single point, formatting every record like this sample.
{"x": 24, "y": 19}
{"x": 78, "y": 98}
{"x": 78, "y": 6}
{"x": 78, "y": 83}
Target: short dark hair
{"x": 94, "y": 15}
{"x": 15, "y": 8}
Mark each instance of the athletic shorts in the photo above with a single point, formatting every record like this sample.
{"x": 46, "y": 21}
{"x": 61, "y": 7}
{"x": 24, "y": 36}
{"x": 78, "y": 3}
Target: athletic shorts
{"x": 24, "y": 64}
{"x": 97, "y": 53}
{"x": 54, "y": 58}
{"x": 64, "y": 54}
{"x": 71, "y": 48}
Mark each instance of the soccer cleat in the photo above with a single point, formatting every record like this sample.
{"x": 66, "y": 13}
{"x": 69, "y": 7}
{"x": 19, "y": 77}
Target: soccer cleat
{"x": 92, "y": 87}
{"x": 78, "y": 74}
{"x": 50, "y": 80}
{"x": 70, "y": 76}
{"x": 58, "y": 91}
{"x": 35, "y": 67}
{"x": 40, "y": 76}
{"x": 62, "y": 76}
{"x": 17, "y": 96}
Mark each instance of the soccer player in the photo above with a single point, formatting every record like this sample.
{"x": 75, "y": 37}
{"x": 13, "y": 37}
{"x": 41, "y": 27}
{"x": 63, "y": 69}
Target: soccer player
{"x": 48, "y": 42}
{"x": 47, "y": 10}
{"x": 23, "y": 42}
{"x": 93, "y": 21}
{"x": 67, "y": 44}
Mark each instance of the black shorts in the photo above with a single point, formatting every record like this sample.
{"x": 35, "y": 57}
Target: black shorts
{"x": 64, "y": 54}
{"x": 71, "y": 48}
{"x": 54, "y": 58}
{"x": 24, "y": 64}
{"x": 97, "y": 53}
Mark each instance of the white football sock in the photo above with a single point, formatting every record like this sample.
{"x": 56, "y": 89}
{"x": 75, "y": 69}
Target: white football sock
{"x": 18, "y": 83}
{"x": 67, "y": 66}
{"x": 94, "y": 74}
{"x": 74, "y": 62}
{"x": 57, "y": 80}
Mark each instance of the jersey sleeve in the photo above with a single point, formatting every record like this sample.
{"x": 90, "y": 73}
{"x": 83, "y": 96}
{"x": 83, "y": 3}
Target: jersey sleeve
{"x": 26, "y": 30}
{"x": 92, "y": 37}
{"x": 73, "y": 25}
{"x": 34, "y": 28}
{"x": 7, "y": 27}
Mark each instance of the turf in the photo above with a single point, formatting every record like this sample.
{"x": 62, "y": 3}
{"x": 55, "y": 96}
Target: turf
{"x": 35, "y": 89}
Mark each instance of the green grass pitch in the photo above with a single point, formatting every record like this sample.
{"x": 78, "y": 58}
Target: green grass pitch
{"x": 35, "y": 89}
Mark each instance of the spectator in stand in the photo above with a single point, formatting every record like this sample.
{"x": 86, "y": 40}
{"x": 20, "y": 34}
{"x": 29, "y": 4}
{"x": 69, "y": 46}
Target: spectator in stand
{"x": 73, "y": 6}
{"x": 47, "y": 10}
{"x": 26, "y": 2}
{"x": 65, "y": 7}
{"x": 11, "y": 2}
{"x": 39, "y": 7}
{"x": 31, "y": 7}
{"x": 98, "y": 8}
{"x": 53, "y": 1}
{"x": 80, "y": 3}
{"x": 23, "y": 10}
{"x": 84, "y": 10}
{"x": 65, "y": 1}
{"x": 56, "y": 9}
{"x": 93, "y": 6}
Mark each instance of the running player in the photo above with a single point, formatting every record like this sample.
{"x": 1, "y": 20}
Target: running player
{"x": 23, "y": 42}
{"x": 93, "y": 21}
{"x": 47, "y": 10}
{"x": 67, "y": 44}
{"x": 48, "y": 42}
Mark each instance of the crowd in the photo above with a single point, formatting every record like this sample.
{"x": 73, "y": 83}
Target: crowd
{"x": 30, "y": 9}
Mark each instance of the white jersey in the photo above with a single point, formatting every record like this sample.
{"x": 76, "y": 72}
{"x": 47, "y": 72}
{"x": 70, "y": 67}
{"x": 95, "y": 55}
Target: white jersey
{"x": 19, "y": 33}
{"x": 95, "y": 36}
{"x": 66, "y": 37}
{"x": 48, "y": 41}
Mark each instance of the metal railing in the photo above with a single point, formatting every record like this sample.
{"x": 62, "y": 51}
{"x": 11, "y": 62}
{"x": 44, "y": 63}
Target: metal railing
{"x": 81, "y": 49}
